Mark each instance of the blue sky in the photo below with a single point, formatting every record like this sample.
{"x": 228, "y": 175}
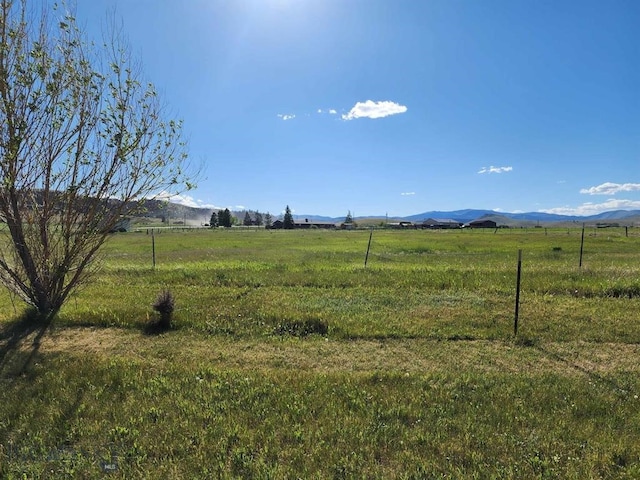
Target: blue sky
{"x": 398, "y": 106}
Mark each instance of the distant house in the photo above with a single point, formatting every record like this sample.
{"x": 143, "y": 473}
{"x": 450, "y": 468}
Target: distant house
{"x": 401, "y": 225}
{"x": 441, "y": 223}
{"x": 306, "y": 223}
{"x": 122, "y": 225}
{"x": 278, "y": 224}
{"x": 483, "y": 224}
{"x": 313, "y": 224}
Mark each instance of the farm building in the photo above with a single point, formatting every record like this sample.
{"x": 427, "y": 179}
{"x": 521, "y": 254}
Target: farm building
{"x": 401, "y": 225}
{"x": 482, "y": 224}
{"x": 122, "y": 225}
{"x": 441, "y": 223}
{"x": 313, "y": 224}
{"x": 306, "y": 223}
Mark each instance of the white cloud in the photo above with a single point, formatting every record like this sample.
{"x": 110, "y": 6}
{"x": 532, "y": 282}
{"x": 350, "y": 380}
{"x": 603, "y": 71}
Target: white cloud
{"x": 286, "y": 116}
{"x": 493, "y": 169}
{"x": 406, "y": 194}
{"x": 609, "y": 188}
{"x": 371, "y": 109}
{"x": 595, "y": 208}
{"x": 185, "y": 200}
{"x": 332, "y": 111}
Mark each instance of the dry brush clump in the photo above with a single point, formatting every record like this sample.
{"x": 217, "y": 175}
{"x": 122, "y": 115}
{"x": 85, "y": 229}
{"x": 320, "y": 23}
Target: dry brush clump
{"x": 164, "y": 306}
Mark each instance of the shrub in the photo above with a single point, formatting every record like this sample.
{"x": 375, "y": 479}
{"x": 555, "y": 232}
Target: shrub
{"x": 164, "y": 305}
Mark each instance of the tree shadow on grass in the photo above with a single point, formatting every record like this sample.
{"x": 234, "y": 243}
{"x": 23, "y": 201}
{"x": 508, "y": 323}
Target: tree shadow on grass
{"x": 14, "y": 336}
{"x": 49, "y": 439}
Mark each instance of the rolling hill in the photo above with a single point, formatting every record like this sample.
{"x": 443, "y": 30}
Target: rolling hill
{"x": 177, "y": 213}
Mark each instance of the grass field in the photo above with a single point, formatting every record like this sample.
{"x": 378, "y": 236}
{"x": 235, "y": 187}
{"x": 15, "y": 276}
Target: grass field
{"x": 417, "y": 375}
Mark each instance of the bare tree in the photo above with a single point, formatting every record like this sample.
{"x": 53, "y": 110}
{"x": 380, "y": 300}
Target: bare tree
{"x": 83, "y": 141}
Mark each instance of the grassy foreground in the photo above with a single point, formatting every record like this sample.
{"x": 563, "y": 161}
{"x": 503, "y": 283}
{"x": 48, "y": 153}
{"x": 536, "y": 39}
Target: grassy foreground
{"x": 418, "y": 375}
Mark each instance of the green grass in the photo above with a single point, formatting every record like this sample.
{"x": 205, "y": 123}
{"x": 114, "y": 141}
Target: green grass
{"x": 416, "y": 284}
{"x": 417, "y": 376}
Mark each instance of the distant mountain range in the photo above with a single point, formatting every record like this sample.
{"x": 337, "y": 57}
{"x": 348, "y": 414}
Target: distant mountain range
{"x": 627, "y": 217}
{"x": 191, "y": 215}
{"x": 469, "y": 215}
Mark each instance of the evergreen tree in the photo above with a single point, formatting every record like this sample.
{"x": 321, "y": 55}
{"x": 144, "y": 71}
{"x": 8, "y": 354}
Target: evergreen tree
{"x": 247, "y": 219}
{"x": 268, "y": 220}
{"x": 224, "y": 218}
{"x": 348, "y": 218}
{"x": 348, "y": 221}
{"x": 259, "y": 220}
{"x": 213, "y": 222}
{"x": 288, "y": 222}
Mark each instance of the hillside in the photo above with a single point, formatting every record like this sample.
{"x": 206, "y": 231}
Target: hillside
{"x": 181, "y": 214}
{"x": 623, "y": 217}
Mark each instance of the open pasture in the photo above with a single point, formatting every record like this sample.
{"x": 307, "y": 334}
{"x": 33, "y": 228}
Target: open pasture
{"x": 417, "y": 284}
{"x": 417, "y": 376}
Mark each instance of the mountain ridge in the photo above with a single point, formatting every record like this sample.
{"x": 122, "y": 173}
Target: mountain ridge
{"x": 182, "y": 212}
{"x": 469, "y": 215}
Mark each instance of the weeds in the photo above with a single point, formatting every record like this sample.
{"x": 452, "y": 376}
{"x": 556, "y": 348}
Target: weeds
{"x": 302, "y": 327}
{"x": 164, "y": 306}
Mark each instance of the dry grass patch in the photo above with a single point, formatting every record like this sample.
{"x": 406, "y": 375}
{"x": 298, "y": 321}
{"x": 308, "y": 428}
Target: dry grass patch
{"x": 328, "y": 355}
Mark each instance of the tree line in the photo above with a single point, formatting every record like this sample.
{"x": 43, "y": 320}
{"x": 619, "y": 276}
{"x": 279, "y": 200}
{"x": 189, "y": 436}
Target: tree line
{"x": 252, "y": 218}
{"x": 224, "y": 218}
